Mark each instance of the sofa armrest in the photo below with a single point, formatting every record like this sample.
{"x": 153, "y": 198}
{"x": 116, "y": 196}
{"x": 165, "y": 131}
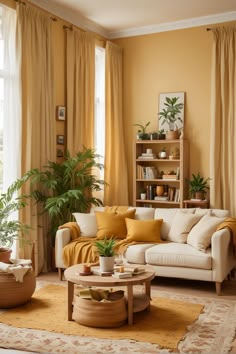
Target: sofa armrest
{"x": 62, "y": 239}
{"x": 222, "y": 255}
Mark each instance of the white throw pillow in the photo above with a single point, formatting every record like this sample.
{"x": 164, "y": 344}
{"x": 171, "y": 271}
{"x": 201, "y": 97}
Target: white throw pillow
{"x": 181, "y": 226}
{"x": 87, "y": 224}
{"x": 200, "y": 235}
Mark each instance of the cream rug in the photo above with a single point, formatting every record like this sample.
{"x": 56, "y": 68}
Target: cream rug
{"x": 213, "y": 332}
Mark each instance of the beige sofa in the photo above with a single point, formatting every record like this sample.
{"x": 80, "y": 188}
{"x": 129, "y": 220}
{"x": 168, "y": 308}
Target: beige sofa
{"x": 194, "y": 249}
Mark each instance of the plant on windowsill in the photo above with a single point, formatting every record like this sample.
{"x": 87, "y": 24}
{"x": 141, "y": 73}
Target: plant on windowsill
{"x": 106, "y": 253}
{"x": 142, "y": 133}
{"x": 198, "y": 186}
{"x": 170, "y": 115}
{"x": 12, "y": 229}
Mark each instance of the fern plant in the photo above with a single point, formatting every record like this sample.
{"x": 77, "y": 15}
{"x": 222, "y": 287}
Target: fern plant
{"x": 67, "y": 187}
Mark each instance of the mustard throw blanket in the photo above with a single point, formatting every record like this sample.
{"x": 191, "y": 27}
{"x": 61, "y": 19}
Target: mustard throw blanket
{"x": 230, "y": 223}
{"x": 83, "y": 249}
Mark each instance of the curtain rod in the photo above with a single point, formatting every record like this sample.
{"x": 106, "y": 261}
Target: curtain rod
{"x": 23, "y": 3}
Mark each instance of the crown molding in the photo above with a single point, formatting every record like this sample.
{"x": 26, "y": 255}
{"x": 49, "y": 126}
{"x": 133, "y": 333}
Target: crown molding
{"x": 83, "y": 23}
{"x": 71, "y": 16}
{"x": 171, "y": 26}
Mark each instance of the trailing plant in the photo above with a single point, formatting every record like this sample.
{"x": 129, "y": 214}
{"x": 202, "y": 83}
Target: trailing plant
{"x": 171, "y": 113}
{"x": 10, "y": 203}
{"x": 105, "y": 247}
{"x": 67, "y": 187}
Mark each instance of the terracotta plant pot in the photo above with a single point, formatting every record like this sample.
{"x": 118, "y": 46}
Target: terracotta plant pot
{"x": 5, "y": 254}
{"x": 172, "y": 135}
{"x": 199, "y": 195}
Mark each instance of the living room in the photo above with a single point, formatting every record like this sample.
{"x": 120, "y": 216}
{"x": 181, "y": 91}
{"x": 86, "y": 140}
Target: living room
{"x": 169, "y": 60}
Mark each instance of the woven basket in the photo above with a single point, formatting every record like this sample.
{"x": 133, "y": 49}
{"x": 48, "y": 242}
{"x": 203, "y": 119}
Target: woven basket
{"x": 99, "y": 314}
{"x": 14, "y": 293}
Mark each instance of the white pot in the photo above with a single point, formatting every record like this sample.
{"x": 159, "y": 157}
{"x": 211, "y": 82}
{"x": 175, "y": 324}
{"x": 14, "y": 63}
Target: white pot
{"x": 162, "y": 155}
{"x": 143, "y": 196}
{"x": 106, "y": 263}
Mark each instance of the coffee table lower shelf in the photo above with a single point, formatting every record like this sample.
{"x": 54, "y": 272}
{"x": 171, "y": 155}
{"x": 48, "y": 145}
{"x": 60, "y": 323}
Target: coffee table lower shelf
{"x": 140, "y": 302}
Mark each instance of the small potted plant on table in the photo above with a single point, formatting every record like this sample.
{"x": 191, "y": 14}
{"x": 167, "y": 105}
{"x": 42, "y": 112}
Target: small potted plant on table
{"x": 106, "y": 252}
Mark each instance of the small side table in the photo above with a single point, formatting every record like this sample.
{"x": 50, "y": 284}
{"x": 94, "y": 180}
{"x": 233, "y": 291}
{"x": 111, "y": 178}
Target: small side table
{"x": 197, "y": 203}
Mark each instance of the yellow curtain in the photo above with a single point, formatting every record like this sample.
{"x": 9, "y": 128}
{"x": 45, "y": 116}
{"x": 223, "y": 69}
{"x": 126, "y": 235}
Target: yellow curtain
{"x": 223, "y": 120}
{"x": 80, "y": 79}
{"x": 38, "y": 116}
{"x": 116, "y": 192}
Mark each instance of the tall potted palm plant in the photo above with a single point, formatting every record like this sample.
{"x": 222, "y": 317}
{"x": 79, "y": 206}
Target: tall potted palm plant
{"x": 67, "y": 187}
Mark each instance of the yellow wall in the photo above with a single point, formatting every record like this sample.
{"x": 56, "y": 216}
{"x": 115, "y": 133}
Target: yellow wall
{"x": 173, "y": 61}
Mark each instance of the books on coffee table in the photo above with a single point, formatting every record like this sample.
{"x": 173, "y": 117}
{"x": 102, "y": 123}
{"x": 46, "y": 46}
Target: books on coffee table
{"x": 122, "y": 275}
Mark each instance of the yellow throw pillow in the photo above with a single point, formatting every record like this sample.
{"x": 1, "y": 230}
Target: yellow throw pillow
{"x": 112, "y": 224}
{"x": 144, "y": 230}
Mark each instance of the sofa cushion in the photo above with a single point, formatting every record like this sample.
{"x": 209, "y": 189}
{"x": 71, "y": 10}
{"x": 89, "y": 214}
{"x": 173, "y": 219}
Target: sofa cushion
{"x": 87, "y": 224}
{"x": 136, "y": 253}
{"x": 167, "y": 214}
{"x": 112, "y": 224}
{"x": 143, "y": 230}
{"x": 181, "y": 226}
{"x": 143, "y": 213}
{"x": 178, "y": 255}
{"x": 220, "y": 213}
{"x": 200, "y": 235}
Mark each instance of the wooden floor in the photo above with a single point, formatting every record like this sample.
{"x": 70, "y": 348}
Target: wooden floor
{"x": 197, "y": 288}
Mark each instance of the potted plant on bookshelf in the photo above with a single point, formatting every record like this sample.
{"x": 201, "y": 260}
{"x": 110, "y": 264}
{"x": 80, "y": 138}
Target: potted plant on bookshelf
{"x": 198, "y": 186}
{"x": 106, "y": 253}
{"x": 11, "y": 228}
{"x": 142, "y": 133}
{"x": 170, "y": 115}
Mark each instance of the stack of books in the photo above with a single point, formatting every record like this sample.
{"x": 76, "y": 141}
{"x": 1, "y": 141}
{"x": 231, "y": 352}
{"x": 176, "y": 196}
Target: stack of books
{"x": 134, "y": 269}
{"x": 122, "y": 275}
{"x": 147, "y": 156}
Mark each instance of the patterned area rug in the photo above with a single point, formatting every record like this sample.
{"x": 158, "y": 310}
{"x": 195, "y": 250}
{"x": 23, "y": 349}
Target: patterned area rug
{"x": 213, "y": 332}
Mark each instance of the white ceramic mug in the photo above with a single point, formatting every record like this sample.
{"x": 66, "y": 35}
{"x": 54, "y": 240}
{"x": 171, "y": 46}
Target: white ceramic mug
{"x": 149, "y": 151}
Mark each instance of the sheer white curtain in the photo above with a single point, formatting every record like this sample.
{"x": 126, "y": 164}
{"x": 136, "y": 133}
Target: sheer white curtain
{"x": 12, "y": 101}
{"x": 11, "y": 110}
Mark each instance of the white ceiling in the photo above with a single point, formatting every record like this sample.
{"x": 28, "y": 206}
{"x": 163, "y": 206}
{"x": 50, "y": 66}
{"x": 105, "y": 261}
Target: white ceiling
{"x": 124, "y": 18}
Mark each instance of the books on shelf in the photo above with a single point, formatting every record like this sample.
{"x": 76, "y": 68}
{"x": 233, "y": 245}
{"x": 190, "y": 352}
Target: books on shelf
{"x": 161, "y": 198}
{"x": 169, "y": 177}
{"x": 147, "y": 156}
{"x": 146, "y": 172}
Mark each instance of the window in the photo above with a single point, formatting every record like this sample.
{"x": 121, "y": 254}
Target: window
{"x": 100, "y": 106}
{"x": 10, "y": 107}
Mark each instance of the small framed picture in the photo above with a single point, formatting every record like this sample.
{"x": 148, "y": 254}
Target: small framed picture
{"x": 61, "y": 113}
{"x": 60, "y": 139}
{"x": 60, "y": 153}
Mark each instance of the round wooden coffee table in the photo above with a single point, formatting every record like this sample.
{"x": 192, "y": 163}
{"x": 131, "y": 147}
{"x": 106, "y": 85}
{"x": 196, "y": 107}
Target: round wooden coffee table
{"x": 72, "y": 275}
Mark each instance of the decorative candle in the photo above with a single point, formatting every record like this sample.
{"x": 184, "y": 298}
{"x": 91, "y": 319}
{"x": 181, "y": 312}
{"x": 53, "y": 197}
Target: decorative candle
{"x": 86, "y": 268}
{"x": 121, "y": 269}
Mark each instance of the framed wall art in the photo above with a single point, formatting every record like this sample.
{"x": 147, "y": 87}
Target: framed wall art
{"x": 171, "y": 111}
{"x": 60, "y": 139}
{"x": 61, "y": 113}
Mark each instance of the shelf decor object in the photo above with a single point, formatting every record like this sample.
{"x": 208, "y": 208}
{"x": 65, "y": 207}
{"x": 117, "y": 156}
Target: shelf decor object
{"x": 164, "y": 180}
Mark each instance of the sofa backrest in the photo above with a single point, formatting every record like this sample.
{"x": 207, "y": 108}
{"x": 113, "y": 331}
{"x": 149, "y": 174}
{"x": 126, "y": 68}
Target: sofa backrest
{"x": 167, "y": 214}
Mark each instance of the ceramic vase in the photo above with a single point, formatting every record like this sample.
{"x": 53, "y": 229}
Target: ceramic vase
{"x": 160, "y": 190}
{"x": 106, "y": 264}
